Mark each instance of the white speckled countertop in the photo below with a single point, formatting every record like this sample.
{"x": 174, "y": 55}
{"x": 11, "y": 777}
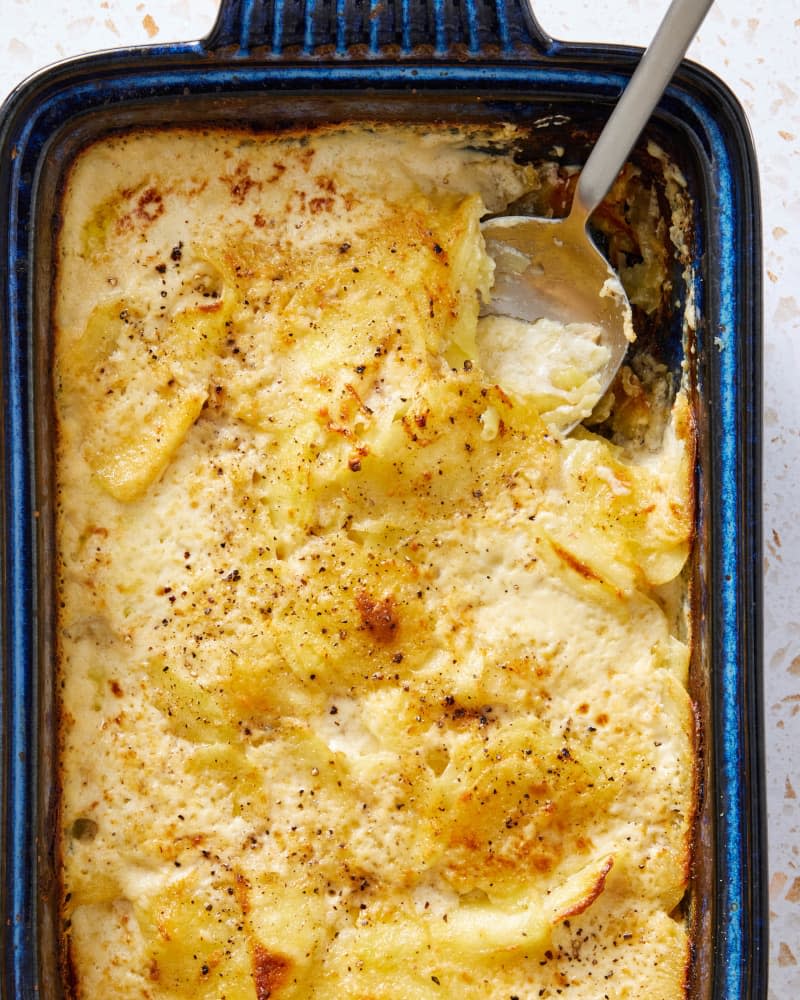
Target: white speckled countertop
{"x": 753, "y": 45}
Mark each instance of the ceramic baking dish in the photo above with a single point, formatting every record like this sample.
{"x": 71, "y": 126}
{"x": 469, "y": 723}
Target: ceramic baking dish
{"x": 273, "y": 62}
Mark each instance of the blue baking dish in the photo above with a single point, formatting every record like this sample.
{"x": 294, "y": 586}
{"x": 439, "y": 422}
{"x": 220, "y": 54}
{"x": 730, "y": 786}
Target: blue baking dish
{"x": 288, "y": 61}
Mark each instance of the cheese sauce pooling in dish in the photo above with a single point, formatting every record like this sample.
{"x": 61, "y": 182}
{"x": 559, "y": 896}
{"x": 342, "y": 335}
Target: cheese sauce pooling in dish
{"x": 371, "y": 685}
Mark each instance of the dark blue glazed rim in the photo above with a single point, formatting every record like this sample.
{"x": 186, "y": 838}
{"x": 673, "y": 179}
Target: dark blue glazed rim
{"x": 418, "y": 59}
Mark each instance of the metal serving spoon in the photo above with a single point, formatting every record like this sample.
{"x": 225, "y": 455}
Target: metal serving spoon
{"x": 550, "y": 268}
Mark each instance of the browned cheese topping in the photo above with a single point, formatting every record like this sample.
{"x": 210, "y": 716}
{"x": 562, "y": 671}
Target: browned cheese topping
{"x": 371, "y": 685}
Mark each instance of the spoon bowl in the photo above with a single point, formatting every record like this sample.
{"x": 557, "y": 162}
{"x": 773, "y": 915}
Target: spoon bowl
{"x": 551, "y": 269}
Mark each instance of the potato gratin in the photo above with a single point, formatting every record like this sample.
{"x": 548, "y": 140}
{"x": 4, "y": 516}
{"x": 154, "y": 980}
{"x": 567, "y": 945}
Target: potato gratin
{"x": 371, "y": 686}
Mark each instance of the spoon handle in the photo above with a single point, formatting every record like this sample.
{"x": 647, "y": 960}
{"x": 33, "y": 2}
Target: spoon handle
{"x": 638, "y": 102}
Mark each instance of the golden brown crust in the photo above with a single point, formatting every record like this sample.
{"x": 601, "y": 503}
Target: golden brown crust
{"x": 378, "y": 675}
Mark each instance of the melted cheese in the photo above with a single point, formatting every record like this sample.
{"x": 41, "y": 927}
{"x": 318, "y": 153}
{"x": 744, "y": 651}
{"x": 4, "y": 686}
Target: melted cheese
{"x": 367, "y": 687}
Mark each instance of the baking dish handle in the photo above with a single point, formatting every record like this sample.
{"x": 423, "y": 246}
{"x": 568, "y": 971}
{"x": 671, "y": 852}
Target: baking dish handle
{"x": 378, "y": 28}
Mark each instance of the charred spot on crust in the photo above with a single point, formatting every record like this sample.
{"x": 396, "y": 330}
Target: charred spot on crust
{"x": 458, "y": 713}
{"x": 580, "y": 567}
{"x": 597, "y": 887}
{"x": 150, "y": 205}
{"x": 321, "y": 204}
{"x": 378, "y": 617}
{"x": 543, "y": 863}
{"x": 241, "y": 183}
{"x": 270, "y": 971}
